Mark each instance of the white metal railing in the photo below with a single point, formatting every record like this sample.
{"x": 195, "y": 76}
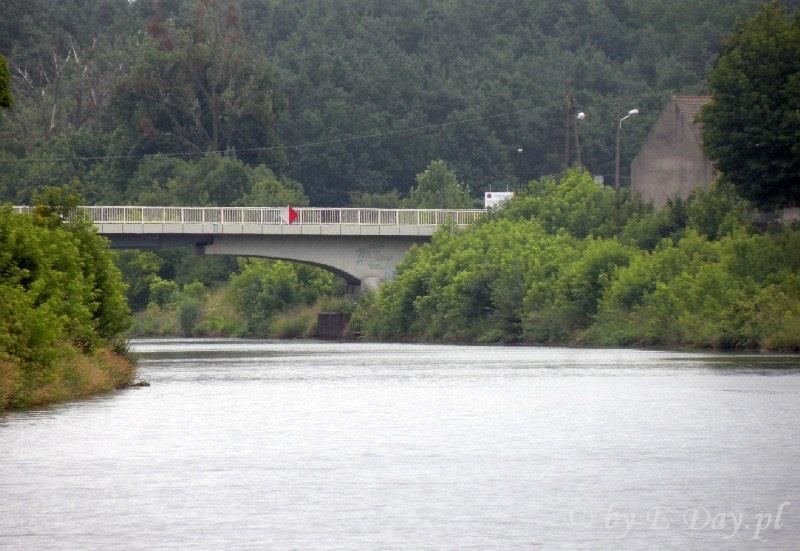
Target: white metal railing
{"x": 275, "y": 215}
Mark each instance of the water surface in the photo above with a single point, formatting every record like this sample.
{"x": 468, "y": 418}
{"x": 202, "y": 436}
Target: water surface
{"x": 258, "y": 444}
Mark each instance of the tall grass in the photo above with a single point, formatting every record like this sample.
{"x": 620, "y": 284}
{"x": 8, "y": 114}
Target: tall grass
{"x": 74, "y": 375}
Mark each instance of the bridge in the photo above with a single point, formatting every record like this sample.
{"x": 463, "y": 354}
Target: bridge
{"x": 362, "y": 245}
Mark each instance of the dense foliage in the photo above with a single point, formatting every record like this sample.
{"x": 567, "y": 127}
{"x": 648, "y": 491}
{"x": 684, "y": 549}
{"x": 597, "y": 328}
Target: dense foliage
{"x": 263, "y": 298}
{"x": 275, "y": 102}
{"x": 265, "y": 288}
{"x": 438, "y": 187}
{"x": 197, "y": 86}
{"x": 213, "y": 179}
{"x": 5, "y": 84}
{"x": 344, "y": 97}
{"x": 552, "y": 268}
{"x": 752, "y": 126}
{"x": 61, "y": 299}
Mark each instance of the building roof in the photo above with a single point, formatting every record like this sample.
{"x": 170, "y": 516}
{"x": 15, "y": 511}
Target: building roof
{"x": 690, "y": 107}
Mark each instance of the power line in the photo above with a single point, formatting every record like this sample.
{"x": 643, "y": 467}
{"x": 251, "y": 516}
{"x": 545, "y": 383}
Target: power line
{"x": 344, "y": 139}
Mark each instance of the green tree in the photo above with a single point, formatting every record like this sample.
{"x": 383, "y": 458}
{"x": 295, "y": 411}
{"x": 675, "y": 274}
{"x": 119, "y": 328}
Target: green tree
{"x": 267, "y": 190}
{"x": 60, "y": 295}
{"x": 438, "y": 188}
{"x": 574, "y": 203}
{"x": 265, "y": 288}
{"x": 367, "y": 200}
{"x": 163, "y": 292}
{"x": 211, "y": 180}
{"x": 140, "y": 269}
{"x": 752, "y": 126}
{"x": 200, "y": 87}
{"x": 5, "y": 84}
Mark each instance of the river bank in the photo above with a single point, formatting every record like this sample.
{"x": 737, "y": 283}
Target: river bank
{"x": 213, "y": 313}
{"x": 62, "y": 308}
{"x": 72, "y": 376}
{"x": 302, "y": 325}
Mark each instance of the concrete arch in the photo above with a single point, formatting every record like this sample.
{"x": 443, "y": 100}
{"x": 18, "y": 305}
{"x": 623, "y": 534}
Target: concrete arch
{"x": 362, "y": 261}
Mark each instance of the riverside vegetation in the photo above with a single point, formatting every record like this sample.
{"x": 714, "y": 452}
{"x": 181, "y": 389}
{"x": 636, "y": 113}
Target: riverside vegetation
{"x": 229, "y": 102}
{"x": 263, "y": 298}
{"x": 567, "y": 262}
{"x": 62, "y": 310}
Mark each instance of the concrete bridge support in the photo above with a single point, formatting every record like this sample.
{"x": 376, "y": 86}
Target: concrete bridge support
{"x": 363, "y": 261}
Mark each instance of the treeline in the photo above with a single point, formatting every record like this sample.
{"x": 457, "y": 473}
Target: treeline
{"x": 62, "y": 309}
{"x": 567, "y": 262}
{"x": 343, "y": 97}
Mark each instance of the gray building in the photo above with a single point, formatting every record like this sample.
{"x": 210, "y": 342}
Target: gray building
{"x": 672, "y": 162}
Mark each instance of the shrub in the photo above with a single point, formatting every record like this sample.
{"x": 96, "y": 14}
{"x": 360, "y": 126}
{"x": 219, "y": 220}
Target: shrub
{"x": 549, "y": 269}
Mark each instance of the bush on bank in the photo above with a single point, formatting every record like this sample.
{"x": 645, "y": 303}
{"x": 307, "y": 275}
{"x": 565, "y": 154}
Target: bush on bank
{"x": 265, "y": 298}
{"x": 62, "y": 309}
{"x": 566, "y": 263}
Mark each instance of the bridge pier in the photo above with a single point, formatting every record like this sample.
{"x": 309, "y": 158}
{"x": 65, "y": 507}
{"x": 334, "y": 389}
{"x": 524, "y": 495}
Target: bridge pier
{"x": 371, "y": 283}
{"x": 366, "y": 284}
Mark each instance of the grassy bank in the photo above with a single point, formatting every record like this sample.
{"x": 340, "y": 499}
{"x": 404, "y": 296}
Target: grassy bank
{"x": 73, "y": 375}
{"x": 195, "y": 312}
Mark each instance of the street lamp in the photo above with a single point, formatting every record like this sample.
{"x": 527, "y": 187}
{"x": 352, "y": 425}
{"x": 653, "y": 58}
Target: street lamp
{"x": 580, "y": 116}
{"x": 518, "y": 163}
{"x": 631, "y": 113}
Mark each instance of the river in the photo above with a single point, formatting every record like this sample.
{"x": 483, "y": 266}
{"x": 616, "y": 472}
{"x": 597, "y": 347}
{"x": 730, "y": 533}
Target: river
{"x": 243, "y": 444}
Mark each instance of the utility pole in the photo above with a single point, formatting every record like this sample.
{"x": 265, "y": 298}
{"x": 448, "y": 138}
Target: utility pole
{"x": 579, "y": 117}
{"x": 568, "y": 105}
{"x": 617, "y": 157}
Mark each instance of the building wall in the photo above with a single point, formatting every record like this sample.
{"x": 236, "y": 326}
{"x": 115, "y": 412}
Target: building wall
{"x": 671, "y": 162}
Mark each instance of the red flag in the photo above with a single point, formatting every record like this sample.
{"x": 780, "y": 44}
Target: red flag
{"x": 293, "y": 214}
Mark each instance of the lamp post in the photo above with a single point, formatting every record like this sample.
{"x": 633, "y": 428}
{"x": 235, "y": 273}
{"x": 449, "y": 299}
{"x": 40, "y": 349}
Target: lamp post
{"x": 519, "y": 165}
{"x": 631, "y": 113}
{"x": 580, "y": 116}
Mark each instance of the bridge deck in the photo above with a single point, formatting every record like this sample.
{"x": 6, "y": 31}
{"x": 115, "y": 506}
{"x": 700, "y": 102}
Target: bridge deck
{"x": 272, "y": 220}
{"x": 364, "y": 246}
